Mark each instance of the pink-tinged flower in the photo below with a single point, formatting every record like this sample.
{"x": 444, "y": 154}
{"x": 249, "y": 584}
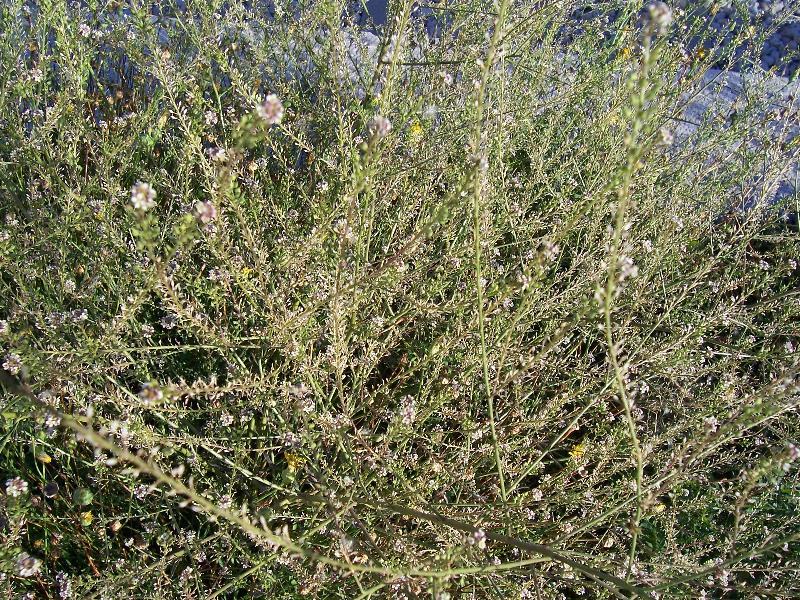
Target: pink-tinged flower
{"x": 206, "y": 211}
{"x": 271, "y": 111}
{"x": 379, "y": 127}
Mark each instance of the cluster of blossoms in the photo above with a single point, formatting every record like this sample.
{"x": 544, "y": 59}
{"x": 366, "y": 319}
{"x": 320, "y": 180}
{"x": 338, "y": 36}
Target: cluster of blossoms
{"x": 143, "y": 196}
{"x": 379, "y": 127}
{"x": 271, "y": 111}
{"x": 16, "y": 487}
{"x": 13, "y": 363}
{"x": 549, "y": 250}
{"x": 627, "y": 268}
{"x": 791, "y": 454}
{"x": 51, "y": 421}
{"x": 477, "y": 538}
{"x": 27, "y": 565}
{"x": 206, "y": 212}
{"x": 64, "y": 586}
{"x": 660, "y": 17}
{"x": 408, "y": 411}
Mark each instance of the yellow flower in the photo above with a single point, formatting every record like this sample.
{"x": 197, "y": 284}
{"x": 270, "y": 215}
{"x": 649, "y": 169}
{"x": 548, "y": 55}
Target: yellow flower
{"x": 87, "y": 518}
{"x": 701, "y": 53}
{"x": 578, "y": 451}
{"x": 415, "y": 131}
{"x": 246, "y": 272}
{"x": 625, "y": 53}
{"x": 293, "y": 461}
{"x": 44, "y": 457}
{"x": 659, "y": 508}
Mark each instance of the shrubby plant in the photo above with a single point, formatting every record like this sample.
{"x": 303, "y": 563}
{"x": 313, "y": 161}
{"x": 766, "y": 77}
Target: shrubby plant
{"x": 471, "y": 320}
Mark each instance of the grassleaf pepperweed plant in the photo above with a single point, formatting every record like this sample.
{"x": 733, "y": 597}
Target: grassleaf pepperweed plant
{"x": 290, "y": 309}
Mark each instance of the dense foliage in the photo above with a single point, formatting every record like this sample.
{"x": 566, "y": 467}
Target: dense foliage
{"x": 460, "y": 318}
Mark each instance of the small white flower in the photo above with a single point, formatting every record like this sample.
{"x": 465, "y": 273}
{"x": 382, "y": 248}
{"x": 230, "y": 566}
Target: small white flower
{"x": 51, "y": 420}
{"x": 16, "y": 487}
{"x": 343, "y": 229}
{"x": 271, "y": 111}
{"x": 4, "y": 329}
{"x": 477, "y": 539}
{"x": 27, "y": 565}
{"x": 306, "y": 404}
{"x": 627, "y": 268}
{"x": 143, "y": 196}
{"x": 550, "y": 250}
{"x": 210, "y": 118}
{"x": 794, "y": 452}
{"x": 79, "y": 314}
{"x": 217, "y": 154}
{"x": 711, "y": 423}
{"x": 13, "y": 363}
{"x": 64, "y": 586}
{"x": 408, "y": 411}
